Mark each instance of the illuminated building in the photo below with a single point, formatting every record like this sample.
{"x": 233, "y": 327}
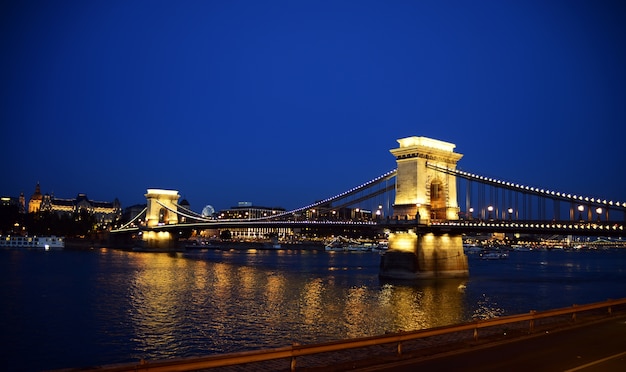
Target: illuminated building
{"x": 34, "y": 204}
{"x": 104, "y": 212}
{"x": 247, "y": 211}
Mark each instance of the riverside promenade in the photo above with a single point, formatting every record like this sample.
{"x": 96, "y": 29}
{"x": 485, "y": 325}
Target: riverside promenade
{"x": 581, "y": 336}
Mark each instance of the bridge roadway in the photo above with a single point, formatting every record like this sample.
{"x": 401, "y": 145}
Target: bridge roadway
{"x": 576, "y": 228}
{"x": 599, "y": 346}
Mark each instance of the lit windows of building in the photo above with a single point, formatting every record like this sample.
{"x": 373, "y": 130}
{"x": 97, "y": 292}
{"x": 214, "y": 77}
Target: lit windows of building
{"x": 104, "y": 212}
{"x": 245, "y": 210}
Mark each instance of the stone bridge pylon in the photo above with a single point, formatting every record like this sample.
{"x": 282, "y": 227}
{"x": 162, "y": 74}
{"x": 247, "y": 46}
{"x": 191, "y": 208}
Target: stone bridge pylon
{"x": 161, "y": 210}
{"x": 160, "y": 204}
{"x": 424, "y": 194}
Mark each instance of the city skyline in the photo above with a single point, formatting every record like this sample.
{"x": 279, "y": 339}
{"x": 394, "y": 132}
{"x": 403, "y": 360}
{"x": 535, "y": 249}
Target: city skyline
{"x": 282, "y": 103}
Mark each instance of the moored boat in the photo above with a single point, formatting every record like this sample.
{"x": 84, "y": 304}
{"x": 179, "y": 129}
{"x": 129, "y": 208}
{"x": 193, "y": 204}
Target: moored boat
{"x": 341, "y": 244}
{"x": 494, "y": 255}
{"x": 35, "y": 242}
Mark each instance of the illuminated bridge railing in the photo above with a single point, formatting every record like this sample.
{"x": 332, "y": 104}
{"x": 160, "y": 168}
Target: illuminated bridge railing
{"x": 606, "y": 228}
{"x": 226, "y": 223}
{"x": 261, "y": 223}
{"x": 537, "y": 225}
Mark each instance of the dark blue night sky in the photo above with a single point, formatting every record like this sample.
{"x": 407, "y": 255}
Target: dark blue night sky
{"x": 283, "y": 103}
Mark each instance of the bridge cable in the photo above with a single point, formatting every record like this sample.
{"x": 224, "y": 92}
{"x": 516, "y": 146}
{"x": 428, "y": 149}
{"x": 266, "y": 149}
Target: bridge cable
{"x": 529, "y": 190}
{"x": 133, "y": 220}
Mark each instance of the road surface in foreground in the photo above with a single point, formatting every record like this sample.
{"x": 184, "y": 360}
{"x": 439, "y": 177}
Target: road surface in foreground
{"x": 600, "y": 346}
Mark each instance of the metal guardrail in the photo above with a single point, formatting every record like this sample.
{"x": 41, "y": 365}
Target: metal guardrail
{"x": 295, "y": 351}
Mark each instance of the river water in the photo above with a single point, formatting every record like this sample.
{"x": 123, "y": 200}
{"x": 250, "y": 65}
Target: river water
{"x": 67, "y": 309}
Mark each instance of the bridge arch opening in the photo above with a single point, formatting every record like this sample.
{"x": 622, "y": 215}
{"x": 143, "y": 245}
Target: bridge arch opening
{"x": 163, "y": 215}
{"x": 437, "y": 199}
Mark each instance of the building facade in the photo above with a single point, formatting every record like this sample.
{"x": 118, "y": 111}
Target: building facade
{"x": 104, "y": 212}
{"x": 248, "y": 211}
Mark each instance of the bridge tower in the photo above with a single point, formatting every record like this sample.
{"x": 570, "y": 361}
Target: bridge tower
{"x": 160, "y": 202}
{"x": 160, "y": 210}
{"x": 420, "y": 190}
{"x": 423, "y": 195}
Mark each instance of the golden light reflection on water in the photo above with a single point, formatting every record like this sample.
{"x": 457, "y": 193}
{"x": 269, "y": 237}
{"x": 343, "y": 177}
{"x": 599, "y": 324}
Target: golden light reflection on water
{"x": 155, "y": 300}
{"x": 248, "y": 282}
{"x": 311, "y": 302}
{"x": 274, "y": 296}
{"x": 216, "y": 305}
{"x": 426, "y": 305}
{"x": 487, "y": 309}
{"x": 356, "y": 311}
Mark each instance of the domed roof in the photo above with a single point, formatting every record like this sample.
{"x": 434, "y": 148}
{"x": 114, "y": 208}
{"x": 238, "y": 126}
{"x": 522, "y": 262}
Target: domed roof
{"x": 37, "y": 195}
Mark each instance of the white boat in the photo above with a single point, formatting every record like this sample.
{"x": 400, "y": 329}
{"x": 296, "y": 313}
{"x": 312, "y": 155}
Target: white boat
{"x": 36, "y": 242}
{"x": 341, "y": 244}
{"x": 494, "y": 255}
{"x": 334, "y": 248}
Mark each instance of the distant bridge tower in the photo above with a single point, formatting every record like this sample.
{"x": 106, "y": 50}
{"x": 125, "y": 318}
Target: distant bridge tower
{"x": 423, "y": 190}
{"x": 161, "y": 203}
{"x": 424, "y": 194}
{"x": 160, "y": 210}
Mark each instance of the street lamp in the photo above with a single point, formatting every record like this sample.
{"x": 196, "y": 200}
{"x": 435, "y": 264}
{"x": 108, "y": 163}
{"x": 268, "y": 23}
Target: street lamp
{"x": 510, "y": 214}
{"x": 580, "y": 212}
{"x": 471, "y": 210}
{"x": 313, "y": 214}
{"x": 599, "y": 212}
{"x": 490, "y": 209}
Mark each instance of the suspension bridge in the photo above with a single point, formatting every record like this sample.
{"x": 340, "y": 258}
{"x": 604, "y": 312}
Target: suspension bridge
{"x": 425, "y": 205}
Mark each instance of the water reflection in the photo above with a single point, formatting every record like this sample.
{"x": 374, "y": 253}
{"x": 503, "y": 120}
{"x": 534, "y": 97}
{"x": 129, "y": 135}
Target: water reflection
{"x": 486, "y": 308}
{"x": 422, "y": 305}
{"x": 311, "y": 303}
{"x": 108, "y": 306}
{"x": 356, "y": 312}
{"x": 183, "y": 307}
{"x": 157, "y": 303}
{"x": 205, "y": 303}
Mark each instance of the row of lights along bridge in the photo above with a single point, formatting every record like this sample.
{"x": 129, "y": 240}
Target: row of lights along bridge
{"x": 490, "y": 209}
{"x": 360, "y": 214}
